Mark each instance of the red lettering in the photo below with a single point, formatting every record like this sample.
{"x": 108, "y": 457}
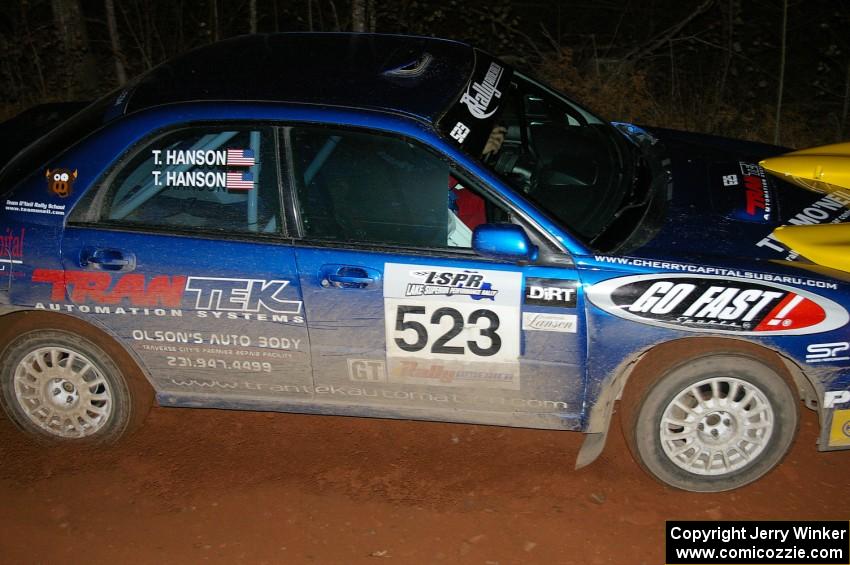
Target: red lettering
{"x": 55, "y": 277}
{"x": 85, "y": 285}
{"x": 755, "y": 194}
{"x": 167, "y": 290}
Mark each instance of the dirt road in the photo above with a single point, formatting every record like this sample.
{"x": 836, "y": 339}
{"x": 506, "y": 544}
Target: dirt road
{"x": 230, "y": 487}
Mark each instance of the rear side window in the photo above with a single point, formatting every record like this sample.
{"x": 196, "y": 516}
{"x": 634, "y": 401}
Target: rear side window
{"x": 199, "y": 179}
{"x": 358, "y": 187}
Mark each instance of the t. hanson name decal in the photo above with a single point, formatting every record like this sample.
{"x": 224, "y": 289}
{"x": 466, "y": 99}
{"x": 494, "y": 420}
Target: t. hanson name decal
{"x": 717, "y": 304}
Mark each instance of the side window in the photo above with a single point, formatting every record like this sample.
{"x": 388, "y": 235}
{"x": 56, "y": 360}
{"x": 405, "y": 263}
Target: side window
{"x": 370, "y": 188}
{"x": 203, "y": 179}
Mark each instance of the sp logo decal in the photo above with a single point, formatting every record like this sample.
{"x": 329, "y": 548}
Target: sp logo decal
{"x": 717, "y": 304}
{"x": 61, "y": 181}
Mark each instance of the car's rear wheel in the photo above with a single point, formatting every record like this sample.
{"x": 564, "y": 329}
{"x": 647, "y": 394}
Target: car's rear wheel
{"x": 60, "y": 386}
{"x": 712, "y": 424}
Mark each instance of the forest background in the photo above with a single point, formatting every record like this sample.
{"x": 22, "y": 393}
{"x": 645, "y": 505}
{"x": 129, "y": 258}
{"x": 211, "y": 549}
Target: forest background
{"x": 776, "y": 71}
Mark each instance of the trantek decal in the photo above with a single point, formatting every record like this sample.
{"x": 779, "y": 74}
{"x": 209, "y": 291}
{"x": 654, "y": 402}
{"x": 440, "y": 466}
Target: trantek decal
{"x": 29, "y": 207}
{"x": 833, "y": 397}
{"x": 826, "y": 352}
{"x": 481, "y": 95}
{"x": 721, "y": 271}
{"x": 550, "y": 292}
{"x": 241, "y": 295}
{"x": 757, "y": 193}
{"x": 717, "y": 304}
{"x": 136, "y": 294}
{"x": 839, "y": 433}
{"x": 12, "y": 245}
{"x": 60, "y": 181}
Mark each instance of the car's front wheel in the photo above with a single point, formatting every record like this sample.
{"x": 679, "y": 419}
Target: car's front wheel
{"x": 712, "y": 424}
{"x": 61, "y": 386}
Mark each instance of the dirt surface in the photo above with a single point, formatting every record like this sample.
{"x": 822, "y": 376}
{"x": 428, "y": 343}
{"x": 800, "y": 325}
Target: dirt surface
{"x": 230, "y": 487}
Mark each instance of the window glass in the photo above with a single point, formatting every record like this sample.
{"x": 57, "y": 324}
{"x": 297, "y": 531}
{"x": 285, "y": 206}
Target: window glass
{"x": 370, "y": 188}
{"x": 200, "y": 179}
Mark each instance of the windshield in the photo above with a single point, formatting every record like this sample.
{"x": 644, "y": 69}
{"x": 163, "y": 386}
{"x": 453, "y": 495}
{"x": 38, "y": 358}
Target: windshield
{"x": 576, "y": 167}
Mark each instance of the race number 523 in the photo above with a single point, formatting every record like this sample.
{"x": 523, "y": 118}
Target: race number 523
{"x": 460, "y": 331}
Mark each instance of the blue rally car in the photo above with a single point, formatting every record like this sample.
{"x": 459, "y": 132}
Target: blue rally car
{"x": 404, "y": 227}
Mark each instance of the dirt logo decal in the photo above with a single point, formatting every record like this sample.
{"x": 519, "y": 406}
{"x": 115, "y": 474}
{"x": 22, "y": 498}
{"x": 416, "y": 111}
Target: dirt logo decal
{"x": 60, "y": 181}
{"x": 717, "y": 304}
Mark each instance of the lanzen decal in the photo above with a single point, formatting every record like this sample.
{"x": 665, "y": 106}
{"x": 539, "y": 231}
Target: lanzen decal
{"x": 550, "y": 292}
{"x": 718, "y": 305}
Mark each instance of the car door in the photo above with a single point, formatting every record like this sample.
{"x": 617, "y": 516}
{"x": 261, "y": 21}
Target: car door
{"x": 180, "y": 253}
{"x": 404, "y": 319}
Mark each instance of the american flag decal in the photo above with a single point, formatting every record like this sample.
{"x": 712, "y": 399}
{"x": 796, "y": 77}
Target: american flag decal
{"x": 240, "y": 181}
{"x": 240, "y": 158}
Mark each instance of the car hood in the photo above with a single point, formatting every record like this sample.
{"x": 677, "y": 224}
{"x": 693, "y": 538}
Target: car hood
{"x": 722, "y": 205}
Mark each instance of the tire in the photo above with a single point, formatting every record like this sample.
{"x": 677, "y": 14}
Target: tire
{"x": 713, "y": 424}
{"x": 59, "y": 386}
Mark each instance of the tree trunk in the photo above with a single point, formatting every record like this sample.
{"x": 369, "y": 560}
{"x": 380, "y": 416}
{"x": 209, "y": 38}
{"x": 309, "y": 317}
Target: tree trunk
{"x": 842, "y": 130}
{"x": 372, "y": 14}
{"x": 358, "y": 15}
{"x": 79, "y": 67}
{"x": 781, "y": 87}
{"x": 252, "y": 15}
{"x": 115, "y": 41}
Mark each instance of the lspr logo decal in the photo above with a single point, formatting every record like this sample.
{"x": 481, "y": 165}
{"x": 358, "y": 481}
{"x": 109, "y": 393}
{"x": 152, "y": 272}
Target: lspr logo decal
{"x": 718, "y": 304}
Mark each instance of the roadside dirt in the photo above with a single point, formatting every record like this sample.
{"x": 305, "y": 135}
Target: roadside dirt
{"x": 231, "y": 487}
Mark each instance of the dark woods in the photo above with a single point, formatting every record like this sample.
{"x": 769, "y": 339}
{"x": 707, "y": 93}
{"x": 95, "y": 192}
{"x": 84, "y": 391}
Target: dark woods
{"x": 771, "y": 70}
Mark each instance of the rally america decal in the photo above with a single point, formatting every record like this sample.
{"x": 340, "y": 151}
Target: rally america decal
{"x": 470, "y": 120}
{"x": 718, "y": 305}
{"x": 452, "y": 327}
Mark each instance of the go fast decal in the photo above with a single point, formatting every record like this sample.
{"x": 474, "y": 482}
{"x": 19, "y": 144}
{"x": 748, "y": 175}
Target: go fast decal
{"x": 452, "y": 327}
{"x": 717, "y": 304}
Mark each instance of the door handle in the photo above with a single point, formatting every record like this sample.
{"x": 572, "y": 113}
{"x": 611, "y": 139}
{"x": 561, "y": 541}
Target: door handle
{"x": 107, "y": 259}
{"x": 347, "y": 276}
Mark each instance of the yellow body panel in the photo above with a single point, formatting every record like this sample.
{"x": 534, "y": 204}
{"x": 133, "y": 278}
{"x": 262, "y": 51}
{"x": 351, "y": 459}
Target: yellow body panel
{"x": 825, "y": 244}
{"x": 822, "y": 169}
{"x": 839, "y": 433}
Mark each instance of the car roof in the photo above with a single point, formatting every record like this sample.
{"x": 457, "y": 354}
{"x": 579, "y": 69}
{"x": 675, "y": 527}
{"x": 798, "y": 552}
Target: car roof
{"x": 420, "y": 76}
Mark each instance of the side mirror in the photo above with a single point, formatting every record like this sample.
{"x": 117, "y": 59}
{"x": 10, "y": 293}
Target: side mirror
{"x": 503, "y": 241}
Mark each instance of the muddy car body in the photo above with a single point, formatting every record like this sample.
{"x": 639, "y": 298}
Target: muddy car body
{"x": 306, "y": 223}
